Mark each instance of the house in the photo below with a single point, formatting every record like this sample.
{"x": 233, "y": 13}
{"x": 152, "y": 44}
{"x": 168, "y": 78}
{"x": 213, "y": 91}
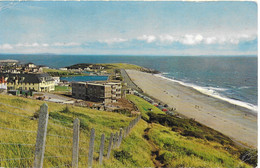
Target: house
{"x": 3, "y": 83}
{"x": 63, "y": 69}
{"x": 36, "y": 82}
{"x": 30, "y": 65}
{"x": 8, "y": 62}
{"x": 56, "y": 80}
{"x": 105, "y": 92}
{"x": 96, "y": 67}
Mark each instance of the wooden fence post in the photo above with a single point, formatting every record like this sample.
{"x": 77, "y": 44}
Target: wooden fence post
{"x": 91, "y": 147}
{"x": 120, "y": 137}
{"x": 110, "y": 145}
{"x": 75, "y": 147}
{"x": 41, "y": 136}
{"x": 125, "y": 131}
{"x": 101, "y": 150}
{"x": 115, "y": 140}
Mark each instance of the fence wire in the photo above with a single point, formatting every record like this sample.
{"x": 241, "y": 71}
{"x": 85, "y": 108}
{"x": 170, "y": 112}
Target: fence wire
{"x": 65, "y": 165}
{"x": 12, "y": 129}
{"x": 16, "y": 114}
{"x": 9, "y": 159}
{"x": 17, "y": 107}
{"x": 17, "y": 144}
{"x": 61, "y": 126}
{"x": 60, "y": 121}
{"x": 59, "y": 136}
{"x": 47, "y": 157}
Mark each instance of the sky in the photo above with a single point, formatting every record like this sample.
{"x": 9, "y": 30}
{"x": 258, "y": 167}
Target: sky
{"x": 129, "y": 28}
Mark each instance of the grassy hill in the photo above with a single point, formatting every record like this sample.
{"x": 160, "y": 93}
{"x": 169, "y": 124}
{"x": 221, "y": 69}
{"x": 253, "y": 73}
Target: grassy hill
{"x": 109, "y": 67}
{"x": 151, "y": 142}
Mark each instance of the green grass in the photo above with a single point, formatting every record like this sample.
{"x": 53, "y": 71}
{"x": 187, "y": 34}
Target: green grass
{"x": 175, "y": 149}
{"x": 143, "y": 106}
{"x": 62, "y": 88}
{"x": 135, "y": 150}
{"x": 103, "y": 122}
{"x": 120, "y": 66}
{"x": 109, "y": 67}
{"x": 62, "y": 73}
{"x": 187, "y": 143}
{"x": 180, "y": 151}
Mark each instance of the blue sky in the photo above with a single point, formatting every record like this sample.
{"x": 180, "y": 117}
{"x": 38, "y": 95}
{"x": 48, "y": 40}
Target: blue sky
{"x": 129, "y": 28}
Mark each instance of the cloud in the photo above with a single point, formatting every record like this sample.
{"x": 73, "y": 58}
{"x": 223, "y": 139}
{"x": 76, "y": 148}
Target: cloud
{"x": 34, "y": 45}
{"x": 195, "y": 39}
{"x": 147, "y": 38}
{"x": 210, "y": 40}
{"x": 70, "y": 44}
{"x": 113, "y": 40}
{"x": 6, "y": 47}
{"x": 191, "y": 39}
{"x": 167, "y": 38}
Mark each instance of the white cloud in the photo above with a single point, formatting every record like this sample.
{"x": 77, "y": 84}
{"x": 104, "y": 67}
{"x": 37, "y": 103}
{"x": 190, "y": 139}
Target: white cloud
{"x": 191, "y": 39}
{"x": 35, "y": 45}
{"x": 6, "y": 47}
{"x": 71, "y": 44}
{"x": 194, "y": 39}
{"x": 210, "y": 40}
{"x": 166, "y": 38}
{"x": 45, "y": 45}
{"x": 113, "y": 40}
{"x": 147, "y": 38}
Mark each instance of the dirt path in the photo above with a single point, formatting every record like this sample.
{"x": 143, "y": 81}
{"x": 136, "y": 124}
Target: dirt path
{"x": 155, "y": 151}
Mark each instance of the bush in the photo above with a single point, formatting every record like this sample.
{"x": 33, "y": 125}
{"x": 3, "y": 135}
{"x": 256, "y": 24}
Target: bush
{"x": 66, "y": 110}
{"x": 166, "y": 157}
{"x": 249, "y": 156}
{"x": 36, "y": 114}
{"x": 193, "y": 134}
{"x": 124, "y": 156}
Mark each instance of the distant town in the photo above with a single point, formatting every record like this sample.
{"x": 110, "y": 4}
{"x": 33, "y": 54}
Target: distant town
{"x": 44, "y": 83}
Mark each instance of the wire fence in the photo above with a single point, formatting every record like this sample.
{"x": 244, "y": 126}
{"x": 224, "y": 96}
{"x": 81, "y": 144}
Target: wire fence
{"x": 72, "y": 146}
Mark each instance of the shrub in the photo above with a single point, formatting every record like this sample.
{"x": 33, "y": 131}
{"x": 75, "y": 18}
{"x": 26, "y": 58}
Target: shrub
{"x": 124, "y": 156}
{"x": 36, "y": 114}
{"x": 193, "y": 134}
{"x": 249, "y": 156}
{"x": 66, "y": 110}
{"x": 167, "y": 157}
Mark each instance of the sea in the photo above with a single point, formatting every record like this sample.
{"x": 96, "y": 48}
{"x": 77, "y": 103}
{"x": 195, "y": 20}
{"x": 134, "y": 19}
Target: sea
{"x": 229, "y": 78}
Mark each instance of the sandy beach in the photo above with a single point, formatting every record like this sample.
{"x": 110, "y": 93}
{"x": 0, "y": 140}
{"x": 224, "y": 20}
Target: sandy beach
{"x": 236, "y": 122}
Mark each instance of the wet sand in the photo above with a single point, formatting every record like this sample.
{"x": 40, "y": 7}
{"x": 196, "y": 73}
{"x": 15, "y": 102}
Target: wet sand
{"x": 238, "y": 123}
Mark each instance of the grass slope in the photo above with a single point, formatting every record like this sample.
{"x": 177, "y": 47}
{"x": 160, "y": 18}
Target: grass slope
{"x": 121, "y": 66}
{"x": 137, "y": 150}
{"x": 61, "y": 73}
{"x": 143, "y": 106}
{"x": 186, "y": 143}
{"x": 103, "y": 122}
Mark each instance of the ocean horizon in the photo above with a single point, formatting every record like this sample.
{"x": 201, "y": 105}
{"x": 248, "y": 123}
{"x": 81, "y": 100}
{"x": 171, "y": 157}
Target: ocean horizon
{"x": 229, "y": 78}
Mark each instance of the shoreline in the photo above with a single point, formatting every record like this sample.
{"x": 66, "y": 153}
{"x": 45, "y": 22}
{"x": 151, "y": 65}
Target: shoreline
{"x": 203, "y": 90}
{"x": 234, "y": 121}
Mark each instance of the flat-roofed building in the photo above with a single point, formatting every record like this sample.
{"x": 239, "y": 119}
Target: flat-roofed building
{"x": 105, "y": 92}
{"x": 79, "y": 90}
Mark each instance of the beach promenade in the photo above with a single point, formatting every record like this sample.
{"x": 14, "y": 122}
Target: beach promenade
{"x": 238, "y": 123}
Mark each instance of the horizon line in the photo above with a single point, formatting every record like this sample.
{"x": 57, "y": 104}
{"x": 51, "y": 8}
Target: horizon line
{"x": 147, "y": 55}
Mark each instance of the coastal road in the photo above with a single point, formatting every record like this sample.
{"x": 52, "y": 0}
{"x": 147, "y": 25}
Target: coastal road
{"x": 129, "y": 82}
